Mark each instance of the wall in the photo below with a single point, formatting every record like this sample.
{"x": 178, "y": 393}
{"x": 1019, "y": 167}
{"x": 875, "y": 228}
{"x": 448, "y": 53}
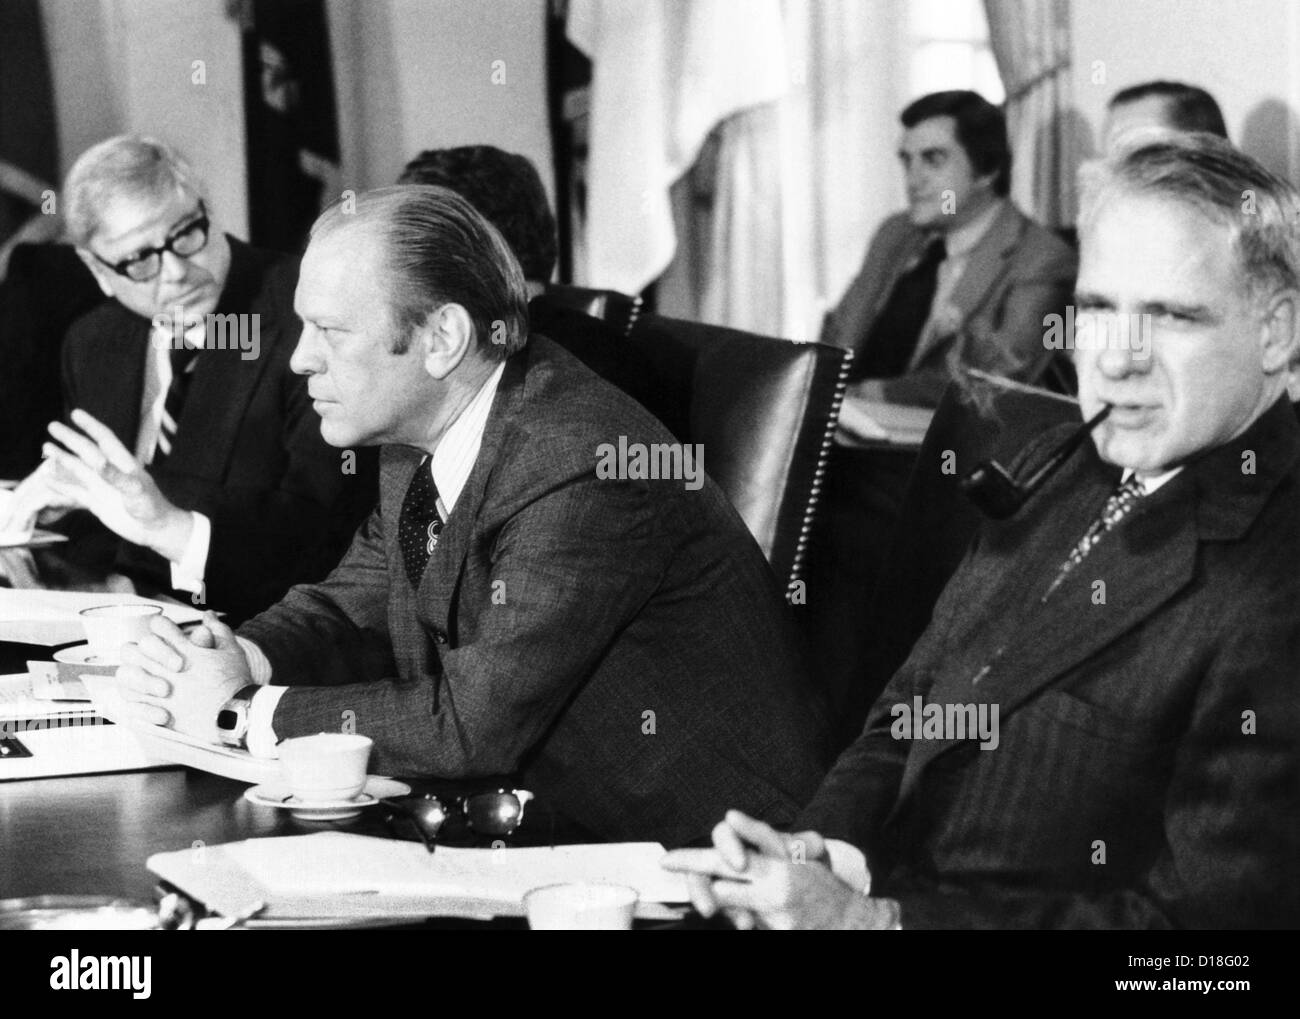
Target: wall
{"x": 1245, "y": 52}
{"x": 409, "y": 74}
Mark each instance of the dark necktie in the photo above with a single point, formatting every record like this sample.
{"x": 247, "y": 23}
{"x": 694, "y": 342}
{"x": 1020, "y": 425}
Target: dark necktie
{"x": 420, "y": 523}
{"x": 1117, "y": 507}
{"x": 887, "y": 348}
{"x": 183, "y": 360}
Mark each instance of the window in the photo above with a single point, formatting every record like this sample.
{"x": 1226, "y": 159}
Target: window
{"x": 949, "y": 44}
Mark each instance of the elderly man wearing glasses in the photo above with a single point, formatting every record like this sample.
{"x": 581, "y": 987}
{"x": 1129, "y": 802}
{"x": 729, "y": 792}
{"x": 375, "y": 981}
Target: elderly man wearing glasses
{"x": 193, "y": 442}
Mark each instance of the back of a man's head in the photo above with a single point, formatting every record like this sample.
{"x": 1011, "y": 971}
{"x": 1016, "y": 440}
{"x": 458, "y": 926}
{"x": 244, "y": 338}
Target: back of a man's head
{"x": 503, "y": 187}
{"x": 438, "y": 249}
{"x": 980, "y": 128}
{"x": 1182, "y": 107}
{"x": 125, "y": 167}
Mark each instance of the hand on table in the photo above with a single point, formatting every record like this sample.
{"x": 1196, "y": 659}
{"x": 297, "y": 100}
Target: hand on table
{"x": 182, "y": 682}
{"x": 759, "y": 877}
{"x": 97, "y": 472}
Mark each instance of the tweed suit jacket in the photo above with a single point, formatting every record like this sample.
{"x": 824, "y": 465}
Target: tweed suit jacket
{"x": 620, "y": 645}
{"x": 1147, "y": 772}
{"x": 1018, "y": 273}
{"x": 248, "y": 452}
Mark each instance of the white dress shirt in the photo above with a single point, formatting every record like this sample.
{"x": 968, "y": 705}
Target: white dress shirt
{"x": 187, "y": 573}
{"x": 452, "y": 461}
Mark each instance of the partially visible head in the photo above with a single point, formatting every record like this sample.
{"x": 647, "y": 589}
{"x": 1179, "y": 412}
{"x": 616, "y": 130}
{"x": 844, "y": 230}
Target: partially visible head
{"x": 1190, "y": 261}
{"x": 955, "y": 157}
{"x": 506, "y": 189}
{"x": 408, "y": 297}
{"x": 130, "y": 194}
{"x": 1168, "y": 105}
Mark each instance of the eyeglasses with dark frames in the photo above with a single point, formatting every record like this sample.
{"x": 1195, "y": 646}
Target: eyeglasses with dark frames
{"x": 185, "y": 241}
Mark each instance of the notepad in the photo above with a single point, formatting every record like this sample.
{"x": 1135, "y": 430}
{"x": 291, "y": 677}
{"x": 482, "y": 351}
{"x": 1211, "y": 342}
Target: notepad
{"x": 344, "y": 875}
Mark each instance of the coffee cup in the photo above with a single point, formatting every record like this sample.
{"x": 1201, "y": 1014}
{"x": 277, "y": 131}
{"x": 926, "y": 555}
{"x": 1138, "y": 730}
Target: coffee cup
{"x": 580, "y": 907}
{"x": 329, "y": 766}
{"x": 108, "y": 627}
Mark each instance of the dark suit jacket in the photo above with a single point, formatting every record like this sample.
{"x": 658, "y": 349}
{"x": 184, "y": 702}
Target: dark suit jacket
{"x": 45, "y": 290}
{"x": 248, "y": 451}
{"x": 1017, "y": 274}
{"x": 1154, "y": 720}
{"x": 620, "y": 644}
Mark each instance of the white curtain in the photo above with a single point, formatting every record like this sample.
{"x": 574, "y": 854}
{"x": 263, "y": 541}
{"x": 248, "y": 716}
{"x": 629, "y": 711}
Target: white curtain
{"x": 801, "y": 169}
{"x": 1031, "y": 43}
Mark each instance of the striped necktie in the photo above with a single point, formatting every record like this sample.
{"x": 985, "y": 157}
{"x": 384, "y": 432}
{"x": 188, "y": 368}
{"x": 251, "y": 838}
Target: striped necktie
{"x": 1117, "y": 507}
{"x": 420, "y": 523}
{"x": 184, "y": 359}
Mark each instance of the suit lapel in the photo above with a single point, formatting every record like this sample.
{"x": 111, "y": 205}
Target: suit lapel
{"x": 985, "y": 265}
{"x": 1145, "y": 562}
{"x": 114, "y": 397}
{"x": 442, "y": 573}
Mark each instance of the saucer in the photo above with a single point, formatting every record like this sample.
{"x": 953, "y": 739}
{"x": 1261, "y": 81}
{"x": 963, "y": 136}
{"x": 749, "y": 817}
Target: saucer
{"x": 280, "y": 798}
{"x": 82, "y": 655}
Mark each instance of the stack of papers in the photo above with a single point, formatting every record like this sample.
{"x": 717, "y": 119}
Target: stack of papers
{"x": 50, "y": 618}
{"x": 347, "y": 877}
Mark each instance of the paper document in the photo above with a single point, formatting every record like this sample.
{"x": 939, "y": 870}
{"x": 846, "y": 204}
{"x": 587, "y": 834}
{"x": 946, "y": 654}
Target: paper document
{"x": 347, "y": 875}
{"x": 50, "y": 618}
{"x": 872, "y": 422}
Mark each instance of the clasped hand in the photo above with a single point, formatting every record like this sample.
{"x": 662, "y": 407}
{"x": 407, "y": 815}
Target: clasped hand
{"x": 759, "y": 877}
{"x": 182, "y": 682}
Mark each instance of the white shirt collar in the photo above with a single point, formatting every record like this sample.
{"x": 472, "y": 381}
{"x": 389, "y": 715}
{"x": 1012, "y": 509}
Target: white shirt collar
{"x": 961, "y": 240}
{"x": 1152, "y": 481}
{"x": 457, "y": 450}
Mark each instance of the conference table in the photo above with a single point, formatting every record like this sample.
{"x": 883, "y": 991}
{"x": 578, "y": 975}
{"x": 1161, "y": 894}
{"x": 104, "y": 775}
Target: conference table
{"x": 91, "y": 834}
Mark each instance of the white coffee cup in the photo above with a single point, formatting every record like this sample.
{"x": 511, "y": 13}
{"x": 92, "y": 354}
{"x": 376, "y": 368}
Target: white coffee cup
{"x": 108, "y": 627}
{"x": 580, "y": 907}
{"x": 328, "y": 766}
{"x": 20, "y": 531}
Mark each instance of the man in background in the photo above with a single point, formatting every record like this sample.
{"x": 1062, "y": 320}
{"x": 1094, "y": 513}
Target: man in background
{"x": 189, "y": 438}
{"x": 960, "y": 279}
{"x": 1160, "y": 104}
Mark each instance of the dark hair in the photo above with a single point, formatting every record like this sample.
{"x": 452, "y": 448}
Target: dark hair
{"x": 981, "y": 130}
{"x": 439, "y": 250}
{"x": 1188, "y": 108}
{"x": 505, "y": 188}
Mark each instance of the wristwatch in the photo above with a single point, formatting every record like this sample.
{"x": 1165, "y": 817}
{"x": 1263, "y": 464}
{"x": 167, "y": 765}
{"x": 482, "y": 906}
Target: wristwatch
{"x": 232, "y": 719}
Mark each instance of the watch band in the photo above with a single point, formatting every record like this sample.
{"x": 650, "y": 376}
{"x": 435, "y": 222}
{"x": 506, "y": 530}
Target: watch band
{"x": 232, "y": 719}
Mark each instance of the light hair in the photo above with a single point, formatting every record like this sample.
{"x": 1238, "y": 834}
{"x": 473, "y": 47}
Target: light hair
{"x": 124, "y": 166}
{"x": 439, "y": 250}
{"x": 1227, "y": 187}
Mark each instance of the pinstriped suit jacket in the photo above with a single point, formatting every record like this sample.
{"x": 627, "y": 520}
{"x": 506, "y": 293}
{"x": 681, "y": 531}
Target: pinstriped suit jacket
{"x": 622, "y": 644}
{"x": 1129, "y": 787}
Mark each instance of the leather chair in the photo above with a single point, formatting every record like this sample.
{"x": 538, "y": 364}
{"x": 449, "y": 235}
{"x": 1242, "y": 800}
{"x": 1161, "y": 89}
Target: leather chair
{"x": 619, "y": 311}
{"x": 764, "y": 410}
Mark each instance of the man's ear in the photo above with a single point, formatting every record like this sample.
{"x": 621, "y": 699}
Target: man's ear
{"x": 1279, "y": 336}
{"x": 101, "y": 273}
{"x": 446, "y": 336}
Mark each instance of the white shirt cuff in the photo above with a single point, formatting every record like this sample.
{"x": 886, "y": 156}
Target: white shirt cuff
{"x": 848, "y": 864}
{"x": 261, "y": 712}
{"x": 187, "y": 575}
{"x": 258, "y": 664}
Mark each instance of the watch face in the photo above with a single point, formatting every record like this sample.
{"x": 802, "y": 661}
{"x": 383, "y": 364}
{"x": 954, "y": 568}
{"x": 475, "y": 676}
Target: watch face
{"x": 227, "y": 720}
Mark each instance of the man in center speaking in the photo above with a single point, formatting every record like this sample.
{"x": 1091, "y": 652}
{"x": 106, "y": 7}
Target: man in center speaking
{"x": 619, "y": 644}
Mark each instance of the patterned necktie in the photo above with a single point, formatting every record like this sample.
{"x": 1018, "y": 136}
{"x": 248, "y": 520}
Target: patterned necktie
{"x": 183, "y": 360}
{"x": 1117, "y": 507}
{"x": 887, "y": 348}
{"x": 420, "y": 523}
